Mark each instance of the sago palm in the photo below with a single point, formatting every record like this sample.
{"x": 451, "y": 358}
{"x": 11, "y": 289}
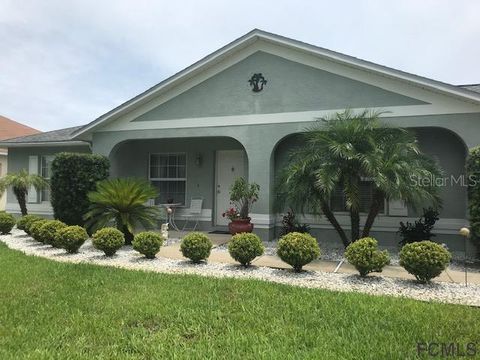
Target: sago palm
{"x": 341, "y": 152}
{"x": 21, "y": 182}
{"x": 122, "y": 201}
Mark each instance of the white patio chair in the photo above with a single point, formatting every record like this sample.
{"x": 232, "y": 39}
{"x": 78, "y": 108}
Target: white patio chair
{"x": 150, "y": 202}
{"x": 193, "y": 213}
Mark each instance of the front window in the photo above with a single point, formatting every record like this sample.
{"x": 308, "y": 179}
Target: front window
{"x": 46, "y": 172}
{"x": 168, "y": 173}
{"x": 338, "y": 201}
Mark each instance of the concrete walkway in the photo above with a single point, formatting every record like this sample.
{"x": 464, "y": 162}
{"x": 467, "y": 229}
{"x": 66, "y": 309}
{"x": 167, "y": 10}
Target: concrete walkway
{"x": 172, "y": 251}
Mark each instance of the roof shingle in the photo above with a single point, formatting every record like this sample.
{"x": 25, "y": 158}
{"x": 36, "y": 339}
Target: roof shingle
{"x": 45, "y": 137}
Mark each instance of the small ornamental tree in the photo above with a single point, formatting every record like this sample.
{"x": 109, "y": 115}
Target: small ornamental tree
{"x": 473, "y": 173}
{"x": 21, "y": 182}
{"x": 74, "y": 175}
{"x": 243, "y": 195}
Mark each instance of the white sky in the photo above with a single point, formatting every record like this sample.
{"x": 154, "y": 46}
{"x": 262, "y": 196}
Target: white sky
{"x": 64, "y": 63}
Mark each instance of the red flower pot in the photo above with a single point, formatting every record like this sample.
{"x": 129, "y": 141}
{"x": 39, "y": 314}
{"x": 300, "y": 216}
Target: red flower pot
{"x": 240, "y": 226}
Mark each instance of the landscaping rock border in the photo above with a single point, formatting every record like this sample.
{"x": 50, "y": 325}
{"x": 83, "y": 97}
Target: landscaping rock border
{"x": 375, "y": 285}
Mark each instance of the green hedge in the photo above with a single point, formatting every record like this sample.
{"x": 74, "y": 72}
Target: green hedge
{"x": 74, "y": 175}
{"x": 7, "y": 222}
{"x": 473, "y": 178}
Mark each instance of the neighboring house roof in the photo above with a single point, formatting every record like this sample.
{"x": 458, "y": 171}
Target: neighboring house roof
{"x": 10, "y": 129}
{"x": 56, "y": 137}
{"x": 471, "y": 87}
{"x": 255, "y": 35}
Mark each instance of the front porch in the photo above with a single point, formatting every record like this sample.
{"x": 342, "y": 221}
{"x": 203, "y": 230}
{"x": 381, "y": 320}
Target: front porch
{"x": 183, "y": 169}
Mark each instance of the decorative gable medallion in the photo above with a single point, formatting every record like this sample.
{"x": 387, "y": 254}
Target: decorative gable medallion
{"x": 257, "y": 81}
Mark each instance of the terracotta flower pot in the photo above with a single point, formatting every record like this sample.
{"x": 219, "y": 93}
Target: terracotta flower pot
{"x": 240, "y": 226}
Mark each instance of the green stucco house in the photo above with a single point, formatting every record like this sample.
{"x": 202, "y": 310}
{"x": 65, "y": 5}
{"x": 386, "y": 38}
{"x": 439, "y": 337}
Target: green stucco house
{"x": 237, "y": 111}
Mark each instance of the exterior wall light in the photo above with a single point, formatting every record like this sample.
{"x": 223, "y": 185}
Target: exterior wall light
{"x": 198, "y": 159}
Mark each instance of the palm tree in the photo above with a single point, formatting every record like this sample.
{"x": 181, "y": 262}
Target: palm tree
{"x": 20, "y": 183}
{"x": 124, "y": 202}
{"x": 342, "y": 151}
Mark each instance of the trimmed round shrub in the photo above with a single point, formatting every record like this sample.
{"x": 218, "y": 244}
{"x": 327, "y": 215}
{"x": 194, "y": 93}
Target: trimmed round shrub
{"x": 30, "y": 221}
{"x": 24, "y": 221}
{"x": 298, "y": 249}
{"x": 35, "y": 227}
{"x": 196, "y": 246}
{"x": 71, "y": 238}
{"x": 245, "y": 247}
{"x": 48, "y": 231}
{"x": 108, "y": 240}
{"x": 365, "y": 256}
{"x": 148, "y": 243}
{"x": 7, "y": 222}
{"x": 425, "y": 259}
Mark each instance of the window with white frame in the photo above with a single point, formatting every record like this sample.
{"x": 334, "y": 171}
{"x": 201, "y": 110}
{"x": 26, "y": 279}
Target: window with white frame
{"x": 46, "y": 172}
{"x": 168, "y": 173}
{"x": 338, "y": 201}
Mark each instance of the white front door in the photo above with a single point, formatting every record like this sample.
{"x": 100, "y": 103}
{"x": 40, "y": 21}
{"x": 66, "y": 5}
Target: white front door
{"x": 230, "y": 165}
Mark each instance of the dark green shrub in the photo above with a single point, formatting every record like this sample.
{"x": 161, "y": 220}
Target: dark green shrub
{"x": 71, "y": 238}
{"x": 148, "y": 243}
{"x": 425, "y": 259}
{"x": 7, "y": 222}
{"x": 25, "y": 220}
{"x": 291, "y": 224}
{"x": 35, "y": 229}
{"x": 74, "y": 175}
{"x": 421, "y": 229}
{"x": 245, "y": 247}
{"x": 473, "y": 173}
{"x": 108, "y": 240}
{"x": 365, "y": 256}
{"x": 196, "y": 246}
{"x": 30, "y": 222}
{"x": 48, "y": 231}
{"x": 298, "y": 249}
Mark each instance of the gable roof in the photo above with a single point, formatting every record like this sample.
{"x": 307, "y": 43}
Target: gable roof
{"x": 463, "y": 93}
{"x": 56, "y": 137}
{"x": 10, "y": 129}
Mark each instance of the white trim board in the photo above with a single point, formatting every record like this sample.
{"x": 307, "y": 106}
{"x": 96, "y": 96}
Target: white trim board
{"x": 42, "y": 208}
{"x": 382, "y": 222}
{"x": 43, "y": 144}
{"x": 279, "y": 118}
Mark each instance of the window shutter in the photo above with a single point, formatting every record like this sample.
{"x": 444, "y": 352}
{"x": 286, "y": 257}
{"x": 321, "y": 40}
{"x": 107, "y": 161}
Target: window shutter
{"x": 397, "y": 208}
{"x": 32, "y": 169}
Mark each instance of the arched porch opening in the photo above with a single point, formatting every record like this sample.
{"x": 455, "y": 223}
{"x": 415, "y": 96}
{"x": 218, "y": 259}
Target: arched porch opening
{"x": 185, "y": 168}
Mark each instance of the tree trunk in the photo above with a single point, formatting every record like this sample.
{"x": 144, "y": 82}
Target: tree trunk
{"x": 372, "y": 213}
{"x": 355, "y": 224}
{"x": 21, "y": 196}
{"x": 244, "y": 210}
{"x": 333, "y": 220}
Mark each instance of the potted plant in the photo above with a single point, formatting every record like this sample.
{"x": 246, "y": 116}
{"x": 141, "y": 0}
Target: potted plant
{"x": 242, "y": 197}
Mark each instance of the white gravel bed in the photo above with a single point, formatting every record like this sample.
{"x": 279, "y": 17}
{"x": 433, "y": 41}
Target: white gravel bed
{"x": 375, "y": 285}
{"x": 337, "y": 254}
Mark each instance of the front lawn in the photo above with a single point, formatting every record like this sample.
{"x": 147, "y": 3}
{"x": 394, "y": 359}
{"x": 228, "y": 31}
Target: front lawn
{"x": 66, "y": 311}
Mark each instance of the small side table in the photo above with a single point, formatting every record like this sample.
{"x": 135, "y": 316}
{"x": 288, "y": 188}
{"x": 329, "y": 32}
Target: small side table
{"x": 171, "y": 215}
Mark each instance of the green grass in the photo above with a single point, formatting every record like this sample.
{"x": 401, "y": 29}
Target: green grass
{"x": 51, "y": 310}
